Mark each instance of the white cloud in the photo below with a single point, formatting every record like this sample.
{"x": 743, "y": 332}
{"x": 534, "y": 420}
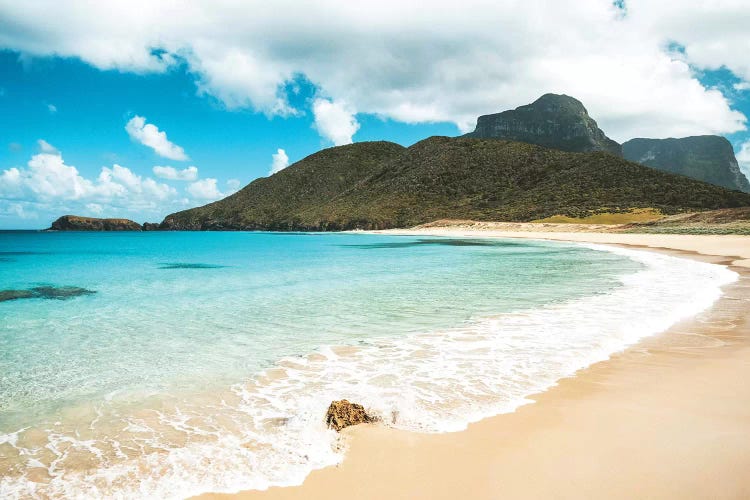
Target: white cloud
{"x": 335, "y": 121}
{"x": 111, "y": 180}
{"x": 149, "y": 135}
{"x": 47, "y": 187}
{"x": 205, "y": 189}
{"x": 713, "y": 34}
{"x": 743, "y": 158}
{"x": 742, "y": 86}
{"x": 397, "y": 60}
{"x": 46, "y": 147}
{"x": 279, "y": 161}
{"x": 48, "y": 178}
{"x": 11, "y": 183}
{"x": 52, "y": 108}
{"x": 172, "y": 174}
{"x": 252, "y": 82}
{"x": 47, "y": 184}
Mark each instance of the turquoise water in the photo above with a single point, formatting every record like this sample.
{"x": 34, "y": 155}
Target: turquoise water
{"x": 230, "y": 345}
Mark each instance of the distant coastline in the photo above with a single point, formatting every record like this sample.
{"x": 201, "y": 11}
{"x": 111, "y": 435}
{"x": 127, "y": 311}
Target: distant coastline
{"x": 724, "y": 221}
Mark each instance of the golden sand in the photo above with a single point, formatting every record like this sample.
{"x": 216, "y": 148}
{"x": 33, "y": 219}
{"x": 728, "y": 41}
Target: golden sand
{"x": 668, "y": 418}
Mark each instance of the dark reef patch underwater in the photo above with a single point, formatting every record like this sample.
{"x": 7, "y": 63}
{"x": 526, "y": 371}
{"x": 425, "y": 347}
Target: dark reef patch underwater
{"x": 436, "y": 241}
{"x": 45, "y": 292}
{"x": 188, "y": 265}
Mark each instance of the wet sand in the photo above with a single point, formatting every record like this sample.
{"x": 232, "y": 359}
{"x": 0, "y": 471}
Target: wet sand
{"x": 667, "y": 418}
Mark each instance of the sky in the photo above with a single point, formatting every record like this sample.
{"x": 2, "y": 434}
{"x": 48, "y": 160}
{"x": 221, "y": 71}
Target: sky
{"x": 140, "y": 108}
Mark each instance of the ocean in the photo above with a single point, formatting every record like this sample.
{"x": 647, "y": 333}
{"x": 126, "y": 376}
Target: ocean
{"x": 161, "y": 364}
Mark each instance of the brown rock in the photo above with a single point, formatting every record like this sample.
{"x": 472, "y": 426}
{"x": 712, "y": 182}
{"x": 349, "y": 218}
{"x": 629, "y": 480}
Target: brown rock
{"x": 77, "y": 223}
{"x": 342, "y": 414}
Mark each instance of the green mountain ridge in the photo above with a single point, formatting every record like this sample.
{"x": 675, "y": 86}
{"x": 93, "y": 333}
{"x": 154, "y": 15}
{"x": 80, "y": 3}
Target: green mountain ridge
{"x": 378, "y": 185}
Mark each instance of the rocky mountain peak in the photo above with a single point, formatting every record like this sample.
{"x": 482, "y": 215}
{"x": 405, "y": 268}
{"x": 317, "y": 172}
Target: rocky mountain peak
{"x": 708, "y": 158}
{"x": 555, "y": 121}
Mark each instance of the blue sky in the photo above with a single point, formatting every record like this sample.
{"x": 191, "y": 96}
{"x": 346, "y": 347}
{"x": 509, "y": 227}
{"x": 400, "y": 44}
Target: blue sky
{"x": 82, "y": 111}
{"x": 298, "y": 79}
{"x": 93, "y": 106}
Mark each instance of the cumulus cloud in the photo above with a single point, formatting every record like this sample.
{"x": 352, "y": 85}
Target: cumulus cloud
{"x": 396, "y": 60}
{"x": 279, "y": 161}
{"x": 742, "y": 86}
{"x": 149, "y": 135}
{"x": 48, "y": 178}
{"x": 135, "y": 186}
{"x": 205, "y": 189}
{"x": 335, "y": 121}
{"x": 46, "y": 147}
{"x": 172, "y": 174}
{"x": 712, "y": 34}
{"x": 50, "y": 186}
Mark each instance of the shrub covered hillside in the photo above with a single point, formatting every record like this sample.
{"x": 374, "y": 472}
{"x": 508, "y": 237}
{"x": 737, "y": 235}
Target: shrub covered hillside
{"x": 373, "y": 185}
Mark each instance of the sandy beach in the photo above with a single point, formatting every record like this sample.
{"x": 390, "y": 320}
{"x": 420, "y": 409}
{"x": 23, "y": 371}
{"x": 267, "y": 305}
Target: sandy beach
{"x": 667, "y": 418}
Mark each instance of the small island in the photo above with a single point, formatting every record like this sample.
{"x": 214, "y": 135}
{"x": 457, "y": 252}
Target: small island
{"x": 78, "y": 223}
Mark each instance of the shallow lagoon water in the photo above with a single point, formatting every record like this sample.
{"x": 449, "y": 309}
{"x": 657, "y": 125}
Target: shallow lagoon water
{"x": 227, "y": 347}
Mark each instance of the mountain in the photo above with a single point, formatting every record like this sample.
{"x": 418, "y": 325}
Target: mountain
{"x": 285, "y": 200}
{"x": 376, "y": 185}
{"x": 78, "y": 223}
{"x": 708, "y": 158}
{"x": 553, "y": 121}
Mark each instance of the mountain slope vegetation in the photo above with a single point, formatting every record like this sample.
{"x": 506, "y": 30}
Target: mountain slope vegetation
{"x": 376, "y": 185}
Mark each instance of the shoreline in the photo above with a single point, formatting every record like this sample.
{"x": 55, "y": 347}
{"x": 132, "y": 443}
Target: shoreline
{"x": 665, "y": 418}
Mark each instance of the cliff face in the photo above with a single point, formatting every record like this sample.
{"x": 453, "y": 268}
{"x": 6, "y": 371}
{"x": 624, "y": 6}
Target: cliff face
{"x": 382, "y": 185}
{"x": 553, "y": 121}
{"x": 709, "y": 158}
{"x": 77, "y": 223}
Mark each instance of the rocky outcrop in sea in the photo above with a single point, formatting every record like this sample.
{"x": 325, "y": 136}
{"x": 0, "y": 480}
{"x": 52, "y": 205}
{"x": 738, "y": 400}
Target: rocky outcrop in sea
{"x": 78, "y": 223}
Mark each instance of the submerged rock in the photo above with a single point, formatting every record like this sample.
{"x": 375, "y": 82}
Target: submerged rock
{"x": 343, "y": 414}
{"x": 189, "y": 265}
{"x": 60, "y": 292}
{"x": 15, "y": 294}
{"x": 45, "y": 292}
